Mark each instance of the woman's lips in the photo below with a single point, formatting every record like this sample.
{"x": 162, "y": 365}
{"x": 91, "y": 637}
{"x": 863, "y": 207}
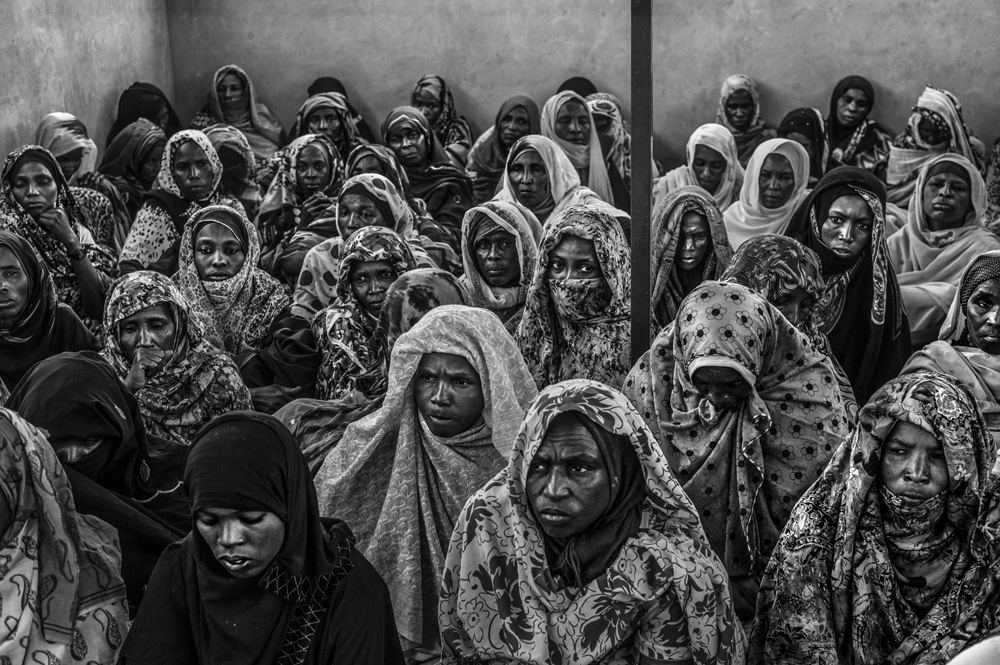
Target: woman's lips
{"x": 235, "y": 563}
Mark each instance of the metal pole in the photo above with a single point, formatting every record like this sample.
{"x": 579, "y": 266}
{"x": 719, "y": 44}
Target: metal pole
{"x": 642, "y": 176}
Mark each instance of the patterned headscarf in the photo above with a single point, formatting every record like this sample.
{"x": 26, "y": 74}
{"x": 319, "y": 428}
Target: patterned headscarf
{"x": 226, "y": 136}
{"x": 667, "y": 290}
{"x": 518, "y": 221}
{"x": 387, "y": 199}
{"x": 955, "y": 327}
{"x": 581, "y": 156}
{"x": 877, "y": 590}
{"x": 63, "y": 133}
{"x": 569, "y": 328}
{"x": 400, "y": 487}
{"x": 198, "y": 383}
{"x": 606, "y": 104}
{"x": 523, "y": 614}
{"x": 765, "y": 452}
{"x": 236, "y": 313}
{"x": 747, "y": 140}
{"x": 450, "y": 127}
{"x": 345, "y": 331}
{"x": 348, "y": 138}
{"x": 165, "y": 178}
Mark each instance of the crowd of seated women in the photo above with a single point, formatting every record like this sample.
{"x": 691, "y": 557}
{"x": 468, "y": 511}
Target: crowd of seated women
{"x": 340, "y": 395}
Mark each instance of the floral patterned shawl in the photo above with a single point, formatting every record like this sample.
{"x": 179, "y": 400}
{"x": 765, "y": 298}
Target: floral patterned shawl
{"x": 837, "y": 590}
{"x": 64, "y": 598}
{"x": 401, "y": 488}
{"x": 348, "y": 138}
{"x": 247, "y": 189}
{"x": 515, "y": 219}
{"x": 198, "y": 383}
{"x": 762, "y": 455}
{"x": 664, "y": 595}
{"x": 451, "y": 129}
{"x": 236, "y": 313}
{"x": 620, "y": 153}
{"x": 573, "y": 337}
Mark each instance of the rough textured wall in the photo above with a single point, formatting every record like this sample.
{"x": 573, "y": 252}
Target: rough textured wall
{"x": 77, "y": 57}
{"x": 490, "y": 50}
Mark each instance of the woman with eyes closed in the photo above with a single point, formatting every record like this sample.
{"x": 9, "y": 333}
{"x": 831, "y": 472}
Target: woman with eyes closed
{"x": 499, "y": 246}
{"x": 261, "y": 578}
{"x": 943, "y": 234}
{"x": 775, "y": 184}
{"x": 160, "y": 353}
{"x": 457, "y": 393}
{"x": 890, "y": 557}
{"x": 517, "y": 117}
{"x": 712, "y": 164}
{"x": 578, "y": 308}
{"x": 747, "y": 411}
{"x": 589, "y": 549}
{"x": 374, "y": 257}
{"x": 860, "y": 309}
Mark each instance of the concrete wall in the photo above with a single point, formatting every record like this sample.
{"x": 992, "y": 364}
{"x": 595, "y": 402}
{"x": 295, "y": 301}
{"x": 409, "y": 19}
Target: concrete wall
{"x": 64, "y": 55}
{"x": 489, "y": 50}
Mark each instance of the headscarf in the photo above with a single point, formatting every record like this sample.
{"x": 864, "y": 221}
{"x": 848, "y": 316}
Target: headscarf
{"x": 143, "y": 100}
{"x": 843, "y": 562}
{"x": 982, "y": 269}
{"x": 450, "y": 127}
{"x": 502, "y": 602}
{"x": 580, "y": 156}
{"x": 345, "y": 331}
{"x": 331, "y": 84}
{"x": 235, "y": 313}
{"x": 247, "y": 462}
{"x": 165, "y": 178}
{"x": 747, "y": 217}
{"x": 259, "y": 125}
{"x": 620, "y": 154}
{"x": 400, "y": 486}
{"x": 719, "y": 139}
{"x": 391, "y": 169}
{"x": 488, "y": 158}
{"x": 196, "y": 384}
{"x": 386, "y": 198}
{"x": 581, "y": 85}
{"x": 569, "y": 329}
{"x": 348, "y": 138}
{"x": 229, "y": 138}
{"x": 809, "y": 123}
{"x": 861, "y": 300}
{"x": 63, "y": 133}
{"x": 64, "y": 595}
{"x": 507, "y": 302}
{"x": 867, "y": 144}
{"x": 126, "y": 154}
{"x": 758, "y": 131}
{"x": 765, "y": 452}
{"x": 668, "y": 289}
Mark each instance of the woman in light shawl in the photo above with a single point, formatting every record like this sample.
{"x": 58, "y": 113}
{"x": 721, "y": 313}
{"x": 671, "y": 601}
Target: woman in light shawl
{"x": 747, "y": 412}
{"x": 179, "y": 378}
{"x": 576, "y": 317}
{"x": 236, "y": 303}
{"x": 499, "y": 250}
{"x": 458, "y": 390}
{"x": 739, "y": 112}
{"x": 239, "y": 167}
{"x": 712, "y": 164}
{"x": 775, "y": 184}
{"x": 805, "y": 127}
{"x": 39, "y": 206}
{"x": 853, "y": 137}
{"x": 639, "y": 584}
{"x": 130, "y": 165}
{"x": 690, "y": 246}
{"x": 233, "y": 101}
{"x": 943, "y": 234}
{"x": 517, "y": 117}
{"x": 890, "y": 557}
{"x": 64, "y": 598}
{"x": 374, "y": 258}
{"x": 432, "y": 97}
{"x": 936, "y": 126}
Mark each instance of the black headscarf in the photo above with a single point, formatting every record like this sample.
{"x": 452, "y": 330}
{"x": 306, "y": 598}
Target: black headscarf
{"x": 143, "y": 100}
{"x": 838, "y": 134}
{"x": 809, "y": 123}
{"x": 581, "y": 85}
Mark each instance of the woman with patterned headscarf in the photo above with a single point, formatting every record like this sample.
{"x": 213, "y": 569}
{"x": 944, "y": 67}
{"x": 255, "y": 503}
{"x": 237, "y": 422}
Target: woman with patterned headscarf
{"x": 576, "y": 316}
{"x": 233, "y": 101}
{"x": 890, "y": 557}
{"x": 860, "y": 309}
{"x": 712, "y": 164}
{"x": 432, "y": 97}
{"x": 853, "y": 137}
{"x": 517, "y": 117}
{"x": 239, "y": 167}
{"x": 739, "y": 112}
{"x": 609, "y": 121}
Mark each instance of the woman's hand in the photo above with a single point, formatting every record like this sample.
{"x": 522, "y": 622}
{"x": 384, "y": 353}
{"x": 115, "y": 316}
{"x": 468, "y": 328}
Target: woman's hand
{"x": 313, "y": 208}
{"x": 147, "y": 362}
{"x": 56, "y": 222}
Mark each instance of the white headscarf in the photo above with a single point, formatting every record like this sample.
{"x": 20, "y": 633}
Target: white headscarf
{"x": 719, "y": 139}
{"x": 581, "y": 156}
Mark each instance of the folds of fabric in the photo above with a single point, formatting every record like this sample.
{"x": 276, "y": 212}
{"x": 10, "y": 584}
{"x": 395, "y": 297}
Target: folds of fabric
{"x": 719, "y": 139}
{"x": 583, "y": 157}
{"x": 62, "y": 134}
{"x": 746, "y": 140}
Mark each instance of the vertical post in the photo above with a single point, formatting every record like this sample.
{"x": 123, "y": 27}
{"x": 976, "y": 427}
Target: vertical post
{"x": 642, "y": 175}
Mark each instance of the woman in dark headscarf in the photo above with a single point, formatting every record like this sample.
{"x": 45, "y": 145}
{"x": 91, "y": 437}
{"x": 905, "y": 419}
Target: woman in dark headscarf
{"x": 261, "y": 578}
{"x": 144, "y": 100}
{"x": 131, "y": 164}
{"x": 233, "y": 101}
{"x": 239, "y": 167}
{"x": 444, "y": 188}
{"x": 517, "y": 117}
{"x": 331, "y": 84}
{"x": 861, "y": 310}
{"x": 33, "y": 323}
{"x": 805, "y": 127}
{"x": 432, "y": 97}
{"x": 853, "y": 138}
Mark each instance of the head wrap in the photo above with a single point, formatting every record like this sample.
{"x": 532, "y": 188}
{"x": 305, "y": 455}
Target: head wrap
{"x": 809, "y": 123}
{"x": 63, "y": 133}
{"x": 143, "y": 101}
{"x": 620, "y": 153}
{"x": 587, "y": 156}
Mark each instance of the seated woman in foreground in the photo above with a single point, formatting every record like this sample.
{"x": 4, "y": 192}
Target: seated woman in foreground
{"x": 890, "y": 557}
{"x": 585, "y": 549}
{"x": 261, "y": 577}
